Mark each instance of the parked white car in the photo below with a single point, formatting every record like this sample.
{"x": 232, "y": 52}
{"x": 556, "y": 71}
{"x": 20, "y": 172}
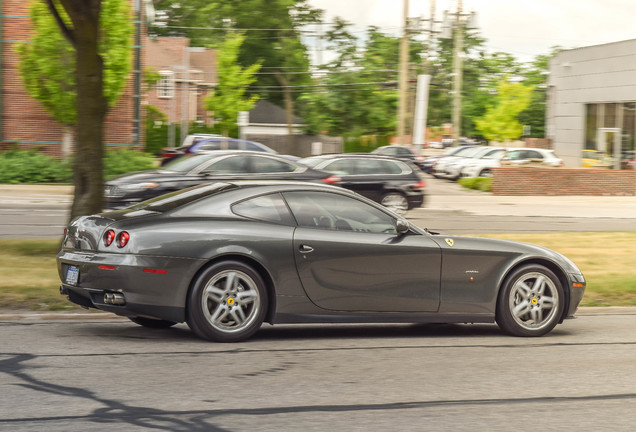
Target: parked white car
{"x": 511, "y": 157}
{"x": 453, "y": 167}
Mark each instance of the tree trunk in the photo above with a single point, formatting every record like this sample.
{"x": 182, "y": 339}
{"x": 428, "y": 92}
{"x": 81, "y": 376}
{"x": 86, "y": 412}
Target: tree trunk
{"x": 91, "y": 107}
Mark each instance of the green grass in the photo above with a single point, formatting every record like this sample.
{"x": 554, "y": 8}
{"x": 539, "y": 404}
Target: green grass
{"x": 30, "y": 280}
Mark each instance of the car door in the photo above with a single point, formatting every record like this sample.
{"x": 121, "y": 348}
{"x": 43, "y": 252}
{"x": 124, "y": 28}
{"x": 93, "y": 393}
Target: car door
{"x": 349, "y": 257}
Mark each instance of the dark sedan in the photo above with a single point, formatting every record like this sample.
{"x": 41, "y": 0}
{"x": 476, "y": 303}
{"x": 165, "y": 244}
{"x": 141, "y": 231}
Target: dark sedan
{"x": 226, "y": 257}
{"x": 396, "y": 184}
{"x": 202, "y": 168}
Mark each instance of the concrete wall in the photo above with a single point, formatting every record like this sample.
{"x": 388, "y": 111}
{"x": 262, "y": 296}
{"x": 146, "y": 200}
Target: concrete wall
{"x": 563, "y": 181}
{"x": 597, "y": 74}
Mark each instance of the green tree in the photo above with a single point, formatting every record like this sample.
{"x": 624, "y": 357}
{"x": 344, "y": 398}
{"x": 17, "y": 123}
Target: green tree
{"x": 76, "y": 66}
{"x": 228, "y": 98}
{"x": 536, "y": 75}
{"x": 500, "y": 123}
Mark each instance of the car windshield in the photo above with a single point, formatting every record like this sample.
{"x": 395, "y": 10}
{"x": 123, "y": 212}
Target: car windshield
{"x": 187, "y": 163}
{"x": 176, "y": 199}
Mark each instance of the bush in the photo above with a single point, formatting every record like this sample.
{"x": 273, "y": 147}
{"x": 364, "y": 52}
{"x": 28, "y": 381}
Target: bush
{"x": 29, "y": 166}
{"x": 483, "y": 184}
{"x": 122, "y": 161}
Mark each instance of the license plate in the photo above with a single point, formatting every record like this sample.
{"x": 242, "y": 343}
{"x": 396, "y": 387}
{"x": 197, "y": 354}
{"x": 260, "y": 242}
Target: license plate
{"x": 72, "y": 275}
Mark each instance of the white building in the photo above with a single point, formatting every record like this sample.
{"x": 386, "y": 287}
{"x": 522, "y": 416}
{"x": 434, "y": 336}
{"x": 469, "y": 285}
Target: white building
{"x": 592, "y": 101}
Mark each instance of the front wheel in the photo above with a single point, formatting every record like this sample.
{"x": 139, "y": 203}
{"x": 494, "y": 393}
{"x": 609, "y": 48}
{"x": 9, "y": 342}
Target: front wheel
{"x": 396, "y": 202}
{"x": 227, "y": 302}
{"x": 530, "y": 302}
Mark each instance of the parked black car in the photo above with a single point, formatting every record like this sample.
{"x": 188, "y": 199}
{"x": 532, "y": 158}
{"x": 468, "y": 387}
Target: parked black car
{"x": 400, "y": 152}
{"x": 396, "y": 184}
{"x": 202, "y": 168}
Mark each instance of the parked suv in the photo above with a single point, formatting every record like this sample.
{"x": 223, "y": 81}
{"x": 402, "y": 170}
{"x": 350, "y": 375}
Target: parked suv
{"x": 396, "y": 184}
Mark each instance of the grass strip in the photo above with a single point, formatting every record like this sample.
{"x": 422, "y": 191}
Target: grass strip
{"x": 30, "y": 280}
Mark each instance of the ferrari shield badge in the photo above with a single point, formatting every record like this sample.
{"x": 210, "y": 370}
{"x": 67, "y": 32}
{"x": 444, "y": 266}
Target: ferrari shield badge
{"x": 450, "y": 242}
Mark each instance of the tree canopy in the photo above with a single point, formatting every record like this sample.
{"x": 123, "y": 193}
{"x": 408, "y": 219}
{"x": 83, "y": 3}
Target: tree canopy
{"x": 500, "y": 123}
{"x": 228, "y": 98}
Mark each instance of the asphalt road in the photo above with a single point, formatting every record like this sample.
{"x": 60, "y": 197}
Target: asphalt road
{"x": 109, "y": 374}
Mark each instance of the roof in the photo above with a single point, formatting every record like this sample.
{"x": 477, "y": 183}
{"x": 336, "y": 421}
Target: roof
{"x": 265, "y": 112}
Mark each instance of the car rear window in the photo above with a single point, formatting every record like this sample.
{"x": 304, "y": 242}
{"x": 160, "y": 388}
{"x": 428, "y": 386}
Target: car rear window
{"x": 180, "y": 198}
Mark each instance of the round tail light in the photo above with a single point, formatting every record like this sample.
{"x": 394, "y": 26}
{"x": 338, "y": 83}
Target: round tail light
{"x": 109, "y": 237}
{"x": 122, "y": 239}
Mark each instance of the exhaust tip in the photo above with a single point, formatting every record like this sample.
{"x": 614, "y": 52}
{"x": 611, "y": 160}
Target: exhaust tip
{"x": 117, "y": 299}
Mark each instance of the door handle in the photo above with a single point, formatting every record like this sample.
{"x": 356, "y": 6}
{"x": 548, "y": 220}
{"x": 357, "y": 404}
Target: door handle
{"x": 305, "y": 249}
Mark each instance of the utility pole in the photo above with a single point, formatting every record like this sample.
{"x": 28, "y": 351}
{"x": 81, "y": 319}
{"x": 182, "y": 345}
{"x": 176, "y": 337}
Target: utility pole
{"x": 403, "y": 81}
{"x": 458, "y": 72}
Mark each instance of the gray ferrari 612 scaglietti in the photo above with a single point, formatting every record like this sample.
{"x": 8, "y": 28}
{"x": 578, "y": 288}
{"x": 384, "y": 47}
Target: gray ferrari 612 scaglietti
{"x": 226, "y": 257}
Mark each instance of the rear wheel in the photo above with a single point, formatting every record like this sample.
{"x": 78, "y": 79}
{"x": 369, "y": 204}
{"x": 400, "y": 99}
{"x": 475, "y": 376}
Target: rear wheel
{"x": 227, "y": 303}
{"x": 530, "y": 302}
{"x": 485, "y": 173}
{"x": 396, "y": 202}
{"x": 151, "y": 322}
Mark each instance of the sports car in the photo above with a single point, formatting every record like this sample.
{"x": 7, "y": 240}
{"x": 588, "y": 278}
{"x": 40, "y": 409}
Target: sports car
{"x": 227, "y": 256}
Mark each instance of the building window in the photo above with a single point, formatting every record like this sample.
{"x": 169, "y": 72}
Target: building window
{"x": 165, "y": 86}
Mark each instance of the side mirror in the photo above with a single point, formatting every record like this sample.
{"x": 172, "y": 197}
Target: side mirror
{"x": 402, "y": 226}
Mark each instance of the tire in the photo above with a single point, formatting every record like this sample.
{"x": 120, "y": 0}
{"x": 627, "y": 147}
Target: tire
{"x": 396, "y": 202}
{"x": 227, "y": 302}
{"x": 485, "y": 173}
{"x": 152, "y": 323}
{"x": 530, "y": 302}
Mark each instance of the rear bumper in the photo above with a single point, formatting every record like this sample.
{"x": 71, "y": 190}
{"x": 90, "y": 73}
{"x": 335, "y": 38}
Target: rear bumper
{"x": 152, "y": 286}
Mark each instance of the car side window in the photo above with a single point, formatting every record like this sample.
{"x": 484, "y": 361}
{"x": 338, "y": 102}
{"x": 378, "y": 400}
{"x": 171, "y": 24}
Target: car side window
{"x": 514, "y": 155}
{"x": 269, "y": 165}
{"x": 267, "y": 208}
{"x": 228, "y": 165}
{"x": 532, "y": 154}
{"x": 325, "y": 210}
{"x": 339, "y": 167}
{"x": 369, "y": 166}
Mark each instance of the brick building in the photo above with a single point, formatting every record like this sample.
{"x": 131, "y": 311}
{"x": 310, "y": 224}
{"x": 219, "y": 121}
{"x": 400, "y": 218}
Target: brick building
{"x": 187, "y": 76}
{"x": 23, "y": 120}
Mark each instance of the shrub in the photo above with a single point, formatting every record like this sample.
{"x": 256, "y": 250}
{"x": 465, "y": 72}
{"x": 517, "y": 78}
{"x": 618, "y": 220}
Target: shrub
{"x": 122, "y": 161}
{"x": 483, "y": 184}
{"x": 29, "y": 166}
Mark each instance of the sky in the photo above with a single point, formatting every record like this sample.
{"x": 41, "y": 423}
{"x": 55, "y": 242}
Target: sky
{"x": 523, "y": 28}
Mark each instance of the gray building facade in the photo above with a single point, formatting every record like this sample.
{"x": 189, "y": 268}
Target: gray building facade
{"x": 591, "y": 109}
